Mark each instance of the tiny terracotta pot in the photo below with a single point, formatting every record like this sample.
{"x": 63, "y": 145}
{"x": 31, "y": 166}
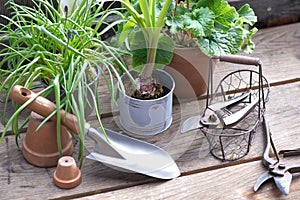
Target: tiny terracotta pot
{"x": 40, "y": 147}
{"x": 67, "y": 175}
{"x": 189, "y": 68}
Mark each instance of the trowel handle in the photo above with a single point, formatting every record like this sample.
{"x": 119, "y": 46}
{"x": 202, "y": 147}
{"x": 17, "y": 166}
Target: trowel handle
{"x": 42, "y": 106}
{"x": 238, "y": 59}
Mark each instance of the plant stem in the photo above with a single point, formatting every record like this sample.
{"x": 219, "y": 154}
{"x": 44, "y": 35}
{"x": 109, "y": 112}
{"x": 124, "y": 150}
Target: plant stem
{"x": 152, "y": 50}
{"x": 176, "y": 3}
{"x": 147, "y": 72}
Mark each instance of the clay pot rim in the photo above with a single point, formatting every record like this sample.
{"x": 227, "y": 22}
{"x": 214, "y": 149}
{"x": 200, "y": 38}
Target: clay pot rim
{"x": 187, "y": 48}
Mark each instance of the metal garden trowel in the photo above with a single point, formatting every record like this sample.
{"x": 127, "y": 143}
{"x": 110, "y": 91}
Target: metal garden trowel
{"x": 119, "y": 150}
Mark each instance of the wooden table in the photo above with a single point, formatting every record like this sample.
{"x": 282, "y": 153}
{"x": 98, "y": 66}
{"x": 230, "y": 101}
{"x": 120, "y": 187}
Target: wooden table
{"x": 202, "y": 176}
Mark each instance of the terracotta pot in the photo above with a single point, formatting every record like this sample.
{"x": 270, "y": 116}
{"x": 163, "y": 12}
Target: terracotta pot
{"x": 40, "y": 147}
{"x": 189, "y": 69}
{"x": 67, "y": 175}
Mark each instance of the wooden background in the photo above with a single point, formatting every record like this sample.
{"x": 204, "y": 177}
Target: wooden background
{"x": 202, "y": 176}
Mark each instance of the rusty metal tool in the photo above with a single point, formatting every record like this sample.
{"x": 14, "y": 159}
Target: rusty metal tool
{"x": 278, "y": 169}
{"x": 217, "y": 116}
{"x": 213, "y": 115}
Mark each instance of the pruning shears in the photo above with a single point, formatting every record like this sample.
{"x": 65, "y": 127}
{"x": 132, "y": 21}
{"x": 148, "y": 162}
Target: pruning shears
{"x": 218, "y": 116}
{"x": 278, "y": 170}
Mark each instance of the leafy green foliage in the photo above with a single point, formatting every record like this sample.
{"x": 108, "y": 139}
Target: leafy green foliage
{"x": 247, "y": 14}
{"x": 214, "y": 26}
{"x": 224, "y": 13}
{"x": 150, "y": 22}
{"x": 140, "y": 50}
{"x": 61, "y": 47}
{"x": 192, "y": 22}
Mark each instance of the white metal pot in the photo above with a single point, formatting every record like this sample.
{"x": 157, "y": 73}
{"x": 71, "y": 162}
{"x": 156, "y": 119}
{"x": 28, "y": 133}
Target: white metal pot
{"x": 147, "y": 117}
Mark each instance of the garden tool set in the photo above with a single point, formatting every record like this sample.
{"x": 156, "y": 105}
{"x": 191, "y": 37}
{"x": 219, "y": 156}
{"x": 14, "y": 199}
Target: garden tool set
{"x": 116, "y": 150}
{"x": 233, "y": 110}
{"x": 214, "y": 116}
{"x": 277, "y": 169}
{"x": 232, "y": 114}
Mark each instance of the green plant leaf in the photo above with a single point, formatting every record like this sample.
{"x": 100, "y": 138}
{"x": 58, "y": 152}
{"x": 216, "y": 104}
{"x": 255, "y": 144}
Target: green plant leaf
{"x": 247, "y": 13}
{"x": 224, "y": 13}
{"x": 174, "y": 24}
{"x": 125, "y": 30}
{"x": 164, "y": 52}
{"x": 181, "y": 10}
{"x": 249, "y": 45}
{"x": 58, "y": 115}
{"x": 140, "y": 51}
{"x": 222, "y": 43}
{"x": 40, "y": 49}
{"x": 193, "y": 22}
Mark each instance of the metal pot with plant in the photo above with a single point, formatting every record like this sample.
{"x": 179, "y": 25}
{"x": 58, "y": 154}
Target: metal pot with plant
{"x": 62, "y": 47}
{"x": 203, "y": 28}
{"x": 146, "y": 102}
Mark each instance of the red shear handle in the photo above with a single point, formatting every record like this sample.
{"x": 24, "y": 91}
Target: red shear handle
{"x": 238, "y": 59}
{"x": 42, "y": 106}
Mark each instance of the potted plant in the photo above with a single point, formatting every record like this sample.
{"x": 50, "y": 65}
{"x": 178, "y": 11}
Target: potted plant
{"x": 203, "y": 28}
{"x": 146, "y": 104}
{"x": 60, "y": 46}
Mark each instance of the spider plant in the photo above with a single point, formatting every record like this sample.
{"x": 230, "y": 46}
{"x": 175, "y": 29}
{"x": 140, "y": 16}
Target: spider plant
{"x": 60, "y": 46}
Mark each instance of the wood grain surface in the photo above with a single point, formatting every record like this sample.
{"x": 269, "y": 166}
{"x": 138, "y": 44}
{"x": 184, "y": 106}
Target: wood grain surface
{"x": 203, "y": 176}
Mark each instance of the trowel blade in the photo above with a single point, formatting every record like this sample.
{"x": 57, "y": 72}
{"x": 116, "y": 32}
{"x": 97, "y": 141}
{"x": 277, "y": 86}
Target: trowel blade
{"x": 168, "y": 171}
{"x": 136, "y": 156}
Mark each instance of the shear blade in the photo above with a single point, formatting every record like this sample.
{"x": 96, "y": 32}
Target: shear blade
{"x": 263, "y": 178}
{"x": 284, "y": 182}
{"x": 241, "y": 114}
{"x": 191, "y": 123}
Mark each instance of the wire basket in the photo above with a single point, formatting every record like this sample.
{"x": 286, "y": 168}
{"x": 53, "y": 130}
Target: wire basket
{"x": 232, "y": 143}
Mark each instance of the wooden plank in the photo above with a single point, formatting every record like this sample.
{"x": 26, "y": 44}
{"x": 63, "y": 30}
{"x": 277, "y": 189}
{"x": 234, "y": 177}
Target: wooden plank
{"x": 190, "y": 151}
{"x": 27, "y": 181}
{"x": 227, "y": 183}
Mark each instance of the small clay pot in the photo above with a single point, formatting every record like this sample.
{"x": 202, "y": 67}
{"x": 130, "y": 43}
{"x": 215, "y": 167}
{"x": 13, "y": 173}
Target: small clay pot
{"x": 67, "y": 175}
{"x": 40, "y": 147}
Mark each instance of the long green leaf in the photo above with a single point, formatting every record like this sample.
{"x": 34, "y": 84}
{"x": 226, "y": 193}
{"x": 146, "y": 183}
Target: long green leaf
{"x": 163, "y": 13}
{"x": 41, "y": 28}
{"x": 145, "y": 6}
{"x": 58, "y": 115}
